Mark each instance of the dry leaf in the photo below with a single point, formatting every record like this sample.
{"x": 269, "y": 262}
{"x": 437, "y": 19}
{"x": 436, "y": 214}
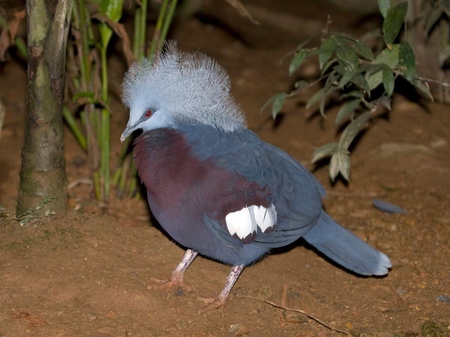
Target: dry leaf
{"x": 8, "y": 34}
{"x": 32, "y": 321}
{"x": 120, "y": 31}
{"x": 242, "y": 10}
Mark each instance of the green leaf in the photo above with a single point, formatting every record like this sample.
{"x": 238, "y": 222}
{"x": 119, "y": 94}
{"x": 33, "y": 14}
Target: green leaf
{"x": 277, "y": 103}
{"x": 346, "y": 77}
{"x": 386, "y": 102}
{"x": 301, "y": 45}
{"x": 21, "y": 46}
{"x": 84, "y": 94}
{"x": 446, "y": 5}
{"x": 112, "y": 9}
{"x": 297, "y": 60}
{"x": 328, "y": 65}
{"x": 329, "y": 89}
{"x": 384, "y": 6}
{"x": 344, "y": 165}
{"x": 300, "y": 84}
{"x": 327, "y": 49}
{"x": 423, "y": 86}
{"x": 375, "y": 80}
{"x": 389, "y": 57}
{"x": 372, "y": 74}
{"x": 343, "y": 36}
{"x": 431, "y": 19}
{"x": 340, "y": 162}
{"x": 358, "y": 79}
{"x": 347, "y": 109}
{"x": 363, "y": 50}
{"x": 353, "y": 93}
{"x": 316, "y": 98}
{"x": 361, "y": 82}
{"x": 393, "y": 23}
{"x": 324, "y": 151}
{"x": 352, "y": 130}
{"x": 407, "y": 61}
{"x": 388, "y": 80}
{"x": 347, "y": 55}
{"x": 444, "y": 54}
{"x": 370, "y": 68}
{"x": 3, "y": 22}
{"x": 334, "y": 168}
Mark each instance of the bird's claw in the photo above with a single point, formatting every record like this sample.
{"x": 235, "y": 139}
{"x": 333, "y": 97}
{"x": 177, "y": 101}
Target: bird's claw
{"x": 212, "y": 303}
{"x": 174, "y": 283}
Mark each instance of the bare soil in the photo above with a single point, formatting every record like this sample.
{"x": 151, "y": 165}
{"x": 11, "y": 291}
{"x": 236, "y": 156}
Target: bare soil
{"x": 89, "y": 274}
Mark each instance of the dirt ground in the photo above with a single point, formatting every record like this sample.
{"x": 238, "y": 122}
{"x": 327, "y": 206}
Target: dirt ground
{"x": 89, "y": 274}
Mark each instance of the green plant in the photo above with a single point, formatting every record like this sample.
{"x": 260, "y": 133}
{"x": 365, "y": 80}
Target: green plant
{"x": 87, "y": 64}
{"x": 125, "y": 176}
{"x": 9, "y": 37}
{"x": 362, "y": 80}
{"x": 88, "y": 84}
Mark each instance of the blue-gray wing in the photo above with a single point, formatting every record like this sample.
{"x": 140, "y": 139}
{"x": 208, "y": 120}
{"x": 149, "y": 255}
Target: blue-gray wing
{"x": 293, "y": 190}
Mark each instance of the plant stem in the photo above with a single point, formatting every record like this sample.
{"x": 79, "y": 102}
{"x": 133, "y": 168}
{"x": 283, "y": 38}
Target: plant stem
{"x": 142, "y": 29}
{"x": 137, "y": 33}
{"x": 104, "y": 128}
{"x": 79, "y": 136}
{"x": 167, "y": 23}
{"x": 156, "y": 35}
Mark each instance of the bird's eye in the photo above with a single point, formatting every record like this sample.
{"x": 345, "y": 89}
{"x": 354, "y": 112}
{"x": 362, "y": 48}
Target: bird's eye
{"x": 148, "y": 113}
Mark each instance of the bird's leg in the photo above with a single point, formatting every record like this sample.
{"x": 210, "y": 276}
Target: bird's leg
{"x": 219, "y": 301}
{"x": 176, "y": 279}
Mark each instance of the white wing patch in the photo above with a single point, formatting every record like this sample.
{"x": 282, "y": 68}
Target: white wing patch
{"x": 244, "y": 223}
{"x": 265, "y": 217}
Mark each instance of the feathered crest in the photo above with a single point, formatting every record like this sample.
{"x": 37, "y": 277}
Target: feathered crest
{"x": 189, "y": 87}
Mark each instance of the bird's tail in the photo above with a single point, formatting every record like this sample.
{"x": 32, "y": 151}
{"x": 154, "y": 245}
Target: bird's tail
{"x": 346, "y": 249}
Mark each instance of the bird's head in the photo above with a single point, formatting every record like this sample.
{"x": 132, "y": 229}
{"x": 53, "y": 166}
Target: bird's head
{"x": 179, "y": 88}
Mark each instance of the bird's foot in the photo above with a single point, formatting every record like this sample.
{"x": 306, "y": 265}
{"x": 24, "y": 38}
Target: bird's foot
{"x": 175, "y": 282}
{"x": 212, "y": 303}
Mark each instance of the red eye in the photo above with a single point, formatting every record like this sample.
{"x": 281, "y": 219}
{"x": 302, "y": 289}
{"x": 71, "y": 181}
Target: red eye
{"x": 148, "y": 113}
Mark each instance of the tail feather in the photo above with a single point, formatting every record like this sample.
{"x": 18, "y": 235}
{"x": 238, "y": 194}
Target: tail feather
{"x": 346, "y": 249}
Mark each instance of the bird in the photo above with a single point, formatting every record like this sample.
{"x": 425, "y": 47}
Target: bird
{"x": 213, "y": 185}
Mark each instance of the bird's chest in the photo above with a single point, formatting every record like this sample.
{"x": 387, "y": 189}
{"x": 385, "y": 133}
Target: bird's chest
{"x": 181, "y": 186}
{"x": 167, "y": 169}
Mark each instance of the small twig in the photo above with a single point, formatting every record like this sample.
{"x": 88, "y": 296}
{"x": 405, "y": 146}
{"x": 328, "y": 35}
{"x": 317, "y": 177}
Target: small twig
{"x": 300, "y": 311}
{"x": 353, "y": 194}
{"x": 283, "y": 296}
{"x": 79, "y": 182}
{"x": 296, "y": 91}
{"x": 444, "y": 84}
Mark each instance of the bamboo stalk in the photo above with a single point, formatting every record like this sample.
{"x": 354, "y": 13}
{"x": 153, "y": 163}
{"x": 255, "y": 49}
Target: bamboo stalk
{"x": 137, "y": 32}
{"x": 156, "y": 35}
{"x": 167, "y": 22}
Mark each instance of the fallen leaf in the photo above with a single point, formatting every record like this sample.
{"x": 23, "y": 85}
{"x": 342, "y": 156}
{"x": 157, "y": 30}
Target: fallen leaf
{"x": 242, "y": 10}
{"x": 120, "y": 31}
{"x": 9, "y": 33}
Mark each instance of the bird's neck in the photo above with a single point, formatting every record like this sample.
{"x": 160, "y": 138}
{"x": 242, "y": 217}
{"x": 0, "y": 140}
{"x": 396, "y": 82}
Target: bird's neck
{"x": 165, "y": 163}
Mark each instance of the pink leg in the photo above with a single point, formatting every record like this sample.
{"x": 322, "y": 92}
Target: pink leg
{"x": 176, "y": 279}
{"x": 219, "y": 301}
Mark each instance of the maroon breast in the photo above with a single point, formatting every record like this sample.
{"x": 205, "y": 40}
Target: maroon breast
{"x": 182, "y": 188}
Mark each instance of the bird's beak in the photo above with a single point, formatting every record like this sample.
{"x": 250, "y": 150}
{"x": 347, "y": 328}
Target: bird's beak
{"x": 128, "y": 131}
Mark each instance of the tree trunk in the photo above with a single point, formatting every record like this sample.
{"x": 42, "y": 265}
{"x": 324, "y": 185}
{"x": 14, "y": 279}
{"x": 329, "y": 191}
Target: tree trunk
{"x": 43, "y": 181}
